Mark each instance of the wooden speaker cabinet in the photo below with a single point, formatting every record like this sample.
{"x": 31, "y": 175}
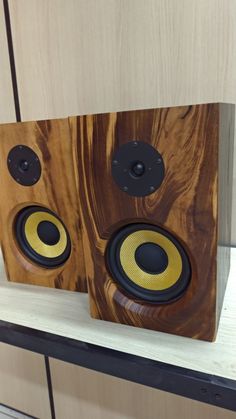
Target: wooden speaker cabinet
{"x": 155, "y": 200}
{"x": 40, "y": 225}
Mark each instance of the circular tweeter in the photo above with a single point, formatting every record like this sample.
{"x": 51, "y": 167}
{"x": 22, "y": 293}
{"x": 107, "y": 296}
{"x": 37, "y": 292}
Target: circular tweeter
{"x": 149, "y": 263}
{"x": 42, "y": 236}
{"x": 24, "y": 165}
{"x": 138, "y": 168}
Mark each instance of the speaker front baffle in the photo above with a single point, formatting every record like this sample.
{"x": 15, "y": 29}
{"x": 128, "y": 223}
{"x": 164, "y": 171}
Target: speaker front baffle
{"x": 155, "y": 194}
{"x": 39, "y": 213}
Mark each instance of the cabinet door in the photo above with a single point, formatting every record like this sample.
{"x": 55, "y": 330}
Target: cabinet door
{"x": 81, "y": 393}
{"x": 7, "y": 109}
{"x": 23, "y": 381}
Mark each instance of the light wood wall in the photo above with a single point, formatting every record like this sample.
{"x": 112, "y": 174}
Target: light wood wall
{"x": 85, "y": 56}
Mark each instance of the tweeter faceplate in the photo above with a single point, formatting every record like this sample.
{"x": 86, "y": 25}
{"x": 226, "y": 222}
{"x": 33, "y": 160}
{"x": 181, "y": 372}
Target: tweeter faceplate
{"x": 24, "y": 165}
{"x": 137, "y": 168}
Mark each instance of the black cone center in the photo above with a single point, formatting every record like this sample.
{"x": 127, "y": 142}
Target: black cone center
{"x": 23, "y": 166}
{"x": 137, "y": 169}
{"x": 151, "y": 258}
{"x": 48, "y": 233}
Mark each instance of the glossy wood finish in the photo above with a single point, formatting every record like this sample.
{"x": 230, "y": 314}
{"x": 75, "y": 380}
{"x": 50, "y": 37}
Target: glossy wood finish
{"x": 185, "y": 204}
{"x": 55, "y": 190}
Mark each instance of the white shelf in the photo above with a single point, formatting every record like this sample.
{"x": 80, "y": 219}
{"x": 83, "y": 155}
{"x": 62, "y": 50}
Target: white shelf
{"x": 66, "y": 314}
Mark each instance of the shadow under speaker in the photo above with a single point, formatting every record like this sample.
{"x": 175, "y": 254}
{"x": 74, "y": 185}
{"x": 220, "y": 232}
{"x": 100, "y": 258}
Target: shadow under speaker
{"x": 155, "y": 198}
{"x": 39, "y": 213}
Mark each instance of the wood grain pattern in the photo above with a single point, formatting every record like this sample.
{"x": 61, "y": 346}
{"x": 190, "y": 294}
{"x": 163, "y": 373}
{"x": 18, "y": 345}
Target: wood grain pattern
{"x": 55, "y": 190}
{"x": 135, "y": 54}
{"x": 23, "y": 382}
{"x": 95, "y": 395}
{"x": 94, "y": 56}
{"x": 185, "y": 204}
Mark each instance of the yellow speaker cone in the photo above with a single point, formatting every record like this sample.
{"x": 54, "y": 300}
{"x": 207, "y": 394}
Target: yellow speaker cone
{"x": 154, "y": 282}
{"x": 149, "y": 263}
{"x": 31, "y": 233}
{"x": 42, "y": 236}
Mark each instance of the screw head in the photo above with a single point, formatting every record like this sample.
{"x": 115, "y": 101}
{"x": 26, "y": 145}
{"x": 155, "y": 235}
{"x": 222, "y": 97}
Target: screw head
{"x": 125, "y": 188}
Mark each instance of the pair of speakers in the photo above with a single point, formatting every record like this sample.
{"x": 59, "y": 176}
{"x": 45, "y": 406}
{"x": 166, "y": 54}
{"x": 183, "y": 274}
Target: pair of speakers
{"x": 136, "y": 205}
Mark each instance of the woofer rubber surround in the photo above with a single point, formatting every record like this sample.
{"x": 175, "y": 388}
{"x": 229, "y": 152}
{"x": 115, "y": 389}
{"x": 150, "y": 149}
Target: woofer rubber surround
{"x": 162, "y": 287}
{"x": 31, "y": 243}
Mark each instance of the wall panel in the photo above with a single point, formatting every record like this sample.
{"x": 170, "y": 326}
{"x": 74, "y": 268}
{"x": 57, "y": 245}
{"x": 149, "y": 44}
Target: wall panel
{"x": 7, "y": 109}
{"x": 84, "y": 56}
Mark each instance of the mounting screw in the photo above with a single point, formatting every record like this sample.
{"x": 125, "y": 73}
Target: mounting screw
{"x": 135, "y": 143}
{"x": 125, "y": 188}
{"x": 115, "y": 162}
{"x": 151, "y": 188}
{"x": 159, "y": 161}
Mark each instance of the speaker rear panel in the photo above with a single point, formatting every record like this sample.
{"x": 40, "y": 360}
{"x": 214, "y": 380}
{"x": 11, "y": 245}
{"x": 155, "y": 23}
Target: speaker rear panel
{"x": 52, "y": 187}
{"x": 184, "y": 204}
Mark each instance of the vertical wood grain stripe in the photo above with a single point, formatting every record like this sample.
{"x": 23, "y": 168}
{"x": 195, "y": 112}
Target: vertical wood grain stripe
{"x": 12, "y": 60}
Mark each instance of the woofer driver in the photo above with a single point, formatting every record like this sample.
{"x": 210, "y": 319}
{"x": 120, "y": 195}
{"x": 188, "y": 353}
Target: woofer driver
{"x": 149, "y": 263}
{"x": 42, "y": 236}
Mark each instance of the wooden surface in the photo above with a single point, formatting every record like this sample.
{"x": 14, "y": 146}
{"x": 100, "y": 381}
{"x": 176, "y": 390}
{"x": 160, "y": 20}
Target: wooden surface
{"x": 23, "y": 382}
{"x": 55, "y": 190}
{"x": 185, "y": 205}
{"x": 95, "y": 395}
{"x": 98, "y": 56}
{"x": 66, "y": 313}
{"x": 7, "y": 109}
